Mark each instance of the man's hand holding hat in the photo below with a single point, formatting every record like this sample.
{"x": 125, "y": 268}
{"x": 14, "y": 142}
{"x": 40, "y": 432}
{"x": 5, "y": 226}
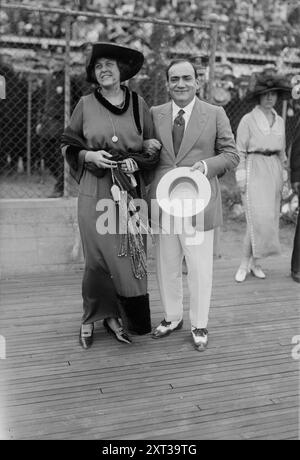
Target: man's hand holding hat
{"x": 201, "y": 166}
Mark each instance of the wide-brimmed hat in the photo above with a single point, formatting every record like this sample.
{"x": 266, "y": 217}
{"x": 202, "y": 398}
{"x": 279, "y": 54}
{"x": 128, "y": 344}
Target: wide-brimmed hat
{"x": 131, "y": 59}
{"x": 264, "y": 83}
{"x": 182, "y": 192}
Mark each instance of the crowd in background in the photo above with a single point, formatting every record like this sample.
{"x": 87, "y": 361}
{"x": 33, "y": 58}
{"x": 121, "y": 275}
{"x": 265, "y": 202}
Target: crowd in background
{"x": 243, "y": 26}
{"x": 239, "y": 31}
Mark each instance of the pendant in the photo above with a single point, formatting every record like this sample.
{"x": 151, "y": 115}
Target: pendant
{"x": 116, "y": 194}
{"x": 115, "y": 138}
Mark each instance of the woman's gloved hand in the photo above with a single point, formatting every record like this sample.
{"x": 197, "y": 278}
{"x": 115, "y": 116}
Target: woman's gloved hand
{"x": 100, "y": 158}
{"x": 151, "y": 146}
{"x": 129, "y": 166}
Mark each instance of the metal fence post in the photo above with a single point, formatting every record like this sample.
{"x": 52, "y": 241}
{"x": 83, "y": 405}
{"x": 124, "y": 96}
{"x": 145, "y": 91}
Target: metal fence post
{"x": 211, "y": 77}
{"x": 162, "y": 33}
{"x": 212, "y": 57}
{"x": 29, "y": 114}
{"x": 284, "y": 109}
{"x": 67, "y": 99}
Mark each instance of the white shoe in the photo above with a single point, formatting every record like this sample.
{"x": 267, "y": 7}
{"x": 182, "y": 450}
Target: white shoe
{"x": 241, "y": 274}
{"x": 256, "y": 270}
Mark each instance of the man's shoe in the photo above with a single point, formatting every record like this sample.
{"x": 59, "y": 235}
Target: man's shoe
{"x": 241, "y": 275}
{"x": 296, "y": 276}
{"x": 118, "y": 333}
{"x": 256, "y": 270}
{"x": 200, "y": 338}
{"x": 165, "y": 328}
{"x": 86, "y": 336}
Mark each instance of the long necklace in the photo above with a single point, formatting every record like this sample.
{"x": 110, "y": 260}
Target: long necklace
{"x": 114, "y": 137}
{"x": 118, "y": 110}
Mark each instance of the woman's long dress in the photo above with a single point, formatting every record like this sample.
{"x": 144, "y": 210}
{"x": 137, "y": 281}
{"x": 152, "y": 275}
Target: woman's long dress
{"x": 263, "y": 178}
{"x": 108, "y": 277}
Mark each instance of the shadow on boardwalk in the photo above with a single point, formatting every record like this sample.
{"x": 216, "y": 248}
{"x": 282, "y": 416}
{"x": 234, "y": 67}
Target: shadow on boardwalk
{"x": 245, "y": 386}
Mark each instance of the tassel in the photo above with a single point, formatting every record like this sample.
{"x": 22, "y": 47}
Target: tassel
{"x": 123, "y": 212}
{"x": 138, "y": 258}
{"x": 116, "y": 194}
{"x": 131, "y": 237}
{"x": 137, "y": 250}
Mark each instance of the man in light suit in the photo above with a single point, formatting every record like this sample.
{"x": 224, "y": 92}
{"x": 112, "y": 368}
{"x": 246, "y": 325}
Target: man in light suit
{"x": 208, "y": 145}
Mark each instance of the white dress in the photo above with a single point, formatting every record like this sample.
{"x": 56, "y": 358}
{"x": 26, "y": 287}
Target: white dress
{"x": 263, "y": 175}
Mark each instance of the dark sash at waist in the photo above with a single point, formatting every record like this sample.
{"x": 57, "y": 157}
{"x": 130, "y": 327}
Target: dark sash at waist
{"x": 266, "y": 153}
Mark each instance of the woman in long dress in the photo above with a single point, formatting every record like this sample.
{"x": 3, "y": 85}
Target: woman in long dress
{"x": 261, "y": 146}
{"x": 103, "y": 146}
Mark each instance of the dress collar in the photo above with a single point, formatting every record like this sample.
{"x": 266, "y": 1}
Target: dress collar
{"x": 263, "y": 123}
{"x": 113, "y": 108}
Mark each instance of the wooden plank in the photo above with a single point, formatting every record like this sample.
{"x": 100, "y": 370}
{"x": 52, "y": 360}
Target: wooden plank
{"x": 164, "y": 425}
{"x": 138, "y": 371}
{"x": 244, "y": 386}
{"x": 176, "y": 409}
{"x": 143, "y": 400}
{"x": 245, "y": 433}
{"x": 145, "y": 408}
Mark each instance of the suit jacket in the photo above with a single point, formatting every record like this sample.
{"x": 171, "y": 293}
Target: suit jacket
{"x": 208, "y": 137}
{"x": 295, "y": 157}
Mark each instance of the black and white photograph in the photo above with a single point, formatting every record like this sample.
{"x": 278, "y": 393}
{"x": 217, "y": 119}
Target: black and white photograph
{"x": 149, "y": 223}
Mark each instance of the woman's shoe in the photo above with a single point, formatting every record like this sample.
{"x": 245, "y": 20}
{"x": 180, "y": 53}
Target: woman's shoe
{"x": 241, "y": 274}
{"x": 256, "y": 270}
{"x": 86, "y": 336}
{"x": 119, "y": 333}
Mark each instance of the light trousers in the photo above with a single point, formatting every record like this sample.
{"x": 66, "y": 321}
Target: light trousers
{"x": 170, "y": 250}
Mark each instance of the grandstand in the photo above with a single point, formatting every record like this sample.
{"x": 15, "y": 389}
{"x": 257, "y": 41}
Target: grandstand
{"x": 37, "y": 42}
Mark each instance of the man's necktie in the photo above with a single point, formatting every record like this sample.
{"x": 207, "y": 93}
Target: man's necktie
{"x": 178, "y": 130}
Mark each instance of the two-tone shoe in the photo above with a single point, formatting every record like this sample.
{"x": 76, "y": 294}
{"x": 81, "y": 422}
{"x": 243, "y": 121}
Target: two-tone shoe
{"x": 119, "y": 333}
{"x": 165, "y": 328}
{"x": 86, "y": 335}
{"x": 200, "y": 338}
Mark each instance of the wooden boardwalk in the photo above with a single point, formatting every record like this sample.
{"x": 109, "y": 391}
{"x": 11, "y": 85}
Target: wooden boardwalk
{"x": 245, "y": 386}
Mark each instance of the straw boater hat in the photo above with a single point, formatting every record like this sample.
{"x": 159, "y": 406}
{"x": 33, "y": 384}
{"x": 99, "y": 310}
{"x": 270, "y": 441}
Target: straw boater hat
{"x": 131, "y": 59}
{"x": 265, "y": 83}
{"x": 182, "y": 192}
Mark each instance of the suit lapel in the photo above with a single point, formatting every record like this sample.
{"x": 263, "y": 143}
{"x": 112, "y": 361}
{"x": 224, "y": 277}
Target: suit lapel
{"x": 196, "y": 124}
{"x": 165, "y": 129}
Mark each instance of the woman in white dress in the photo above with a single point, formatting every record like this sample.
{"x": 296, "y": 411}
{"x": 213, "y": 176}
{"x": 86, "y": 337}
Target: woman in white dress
{"x": 261, "y": 146}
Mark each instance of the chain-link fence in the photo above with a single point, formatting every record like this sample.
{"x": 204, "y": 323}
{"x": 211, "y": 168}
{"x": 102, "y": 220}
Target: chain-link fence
{"x": 236, "y": 108}
{"x": 45, "y": 78}
{"x": 42, "y": 57}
